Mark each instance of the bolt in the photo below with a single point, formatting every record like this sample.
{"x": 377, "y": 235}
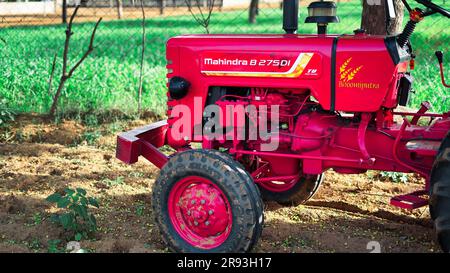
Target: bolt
{"x": 210, "y": 212}
{"x": 203, "y": 202}
{"x": 189, "y": 212}
{"x": 207, "y": 223}
{"x": 195, "y": 223}
{"x": 193, "y": 202}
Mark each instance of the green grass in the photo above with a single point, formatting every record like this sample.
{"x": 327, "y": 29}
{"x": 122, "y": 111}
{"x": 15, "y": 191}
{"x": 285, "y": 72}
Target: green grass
{"x": 109, "y": 77}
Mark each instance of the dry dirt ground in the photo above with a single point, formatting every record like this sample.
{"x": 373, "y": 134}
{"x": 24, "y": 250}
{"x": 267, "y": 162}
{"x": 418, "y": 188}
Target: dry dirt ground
{"x": 38, "y": 158}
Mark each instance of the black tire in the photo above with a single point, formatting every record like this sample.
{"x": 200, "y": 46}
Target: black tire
{"x": 240, "y": 170}
{"x": 440, "y": 194}
{"x": 235, "y": 183}
{"x": 301, "y": 192}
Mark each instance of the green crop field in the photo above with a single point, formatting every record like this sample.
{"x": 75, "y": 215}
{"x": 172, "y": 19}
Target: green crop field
{"x": 109, "y": 78}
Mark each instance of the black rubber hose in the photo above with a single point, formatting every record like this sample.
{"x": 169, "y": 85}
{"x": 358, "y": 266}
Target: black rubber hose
{"x": 403, "y": 37}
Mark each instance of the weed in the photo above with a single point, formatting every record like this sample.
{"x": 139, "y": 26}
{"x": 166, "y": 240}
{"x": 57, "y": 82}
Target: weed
{"x": 77, "y": 218}
{"x": 140, "y": 207}
{"x": 393, "y": 177}
{"x": 90, "y": 120}
{"x": 35, "y": 244}
{"x": 91, "y": 137}
{"x": 6, "y": 113}
{"x": 113, "y": 182}
{"x": 54, "y": 246}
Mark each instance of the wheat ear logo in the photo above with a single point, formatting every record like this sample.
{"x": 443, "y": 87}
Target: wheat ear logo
{"x": 348, "y": 73}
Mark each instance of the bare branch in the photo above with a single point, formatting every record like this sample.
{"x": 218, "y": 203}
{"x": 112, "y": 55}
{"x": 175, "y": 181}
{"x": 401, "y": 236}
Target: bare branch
{"x": 88, "y": 51}
{"x": 201, "y": 18}
{"x": 67, "y": 42}
{"x": 64, "y": 75}
{"x": 52, "y": 72}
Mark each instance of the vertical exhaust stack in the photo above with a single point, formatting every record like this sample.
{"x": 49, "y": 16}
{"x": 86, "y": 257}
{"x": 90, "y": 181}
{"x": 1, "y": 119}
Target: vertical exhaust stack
{"x": 290, "y": 16}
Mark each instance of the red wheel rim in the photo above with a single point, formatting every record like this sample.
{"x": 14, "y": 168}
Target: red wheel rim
{"x": 200, "y": 212}
{"x": 279, "y": 186}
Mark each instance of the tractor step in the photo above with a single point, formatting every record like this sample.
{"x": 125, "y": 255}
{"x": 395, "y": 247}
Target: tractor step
{"x": 410, "y": 201}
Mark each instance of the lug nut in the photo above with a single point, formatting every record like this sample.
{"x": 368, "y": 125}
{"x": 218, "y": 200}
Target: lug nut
{"x": 195, "y": 223}
{"x": 210, "y": 212}
{"x": 189, "y": 213}
{"x": 193, "y": 202}
{"x": 203, "y": 202}
{"x": 207, "y": 223}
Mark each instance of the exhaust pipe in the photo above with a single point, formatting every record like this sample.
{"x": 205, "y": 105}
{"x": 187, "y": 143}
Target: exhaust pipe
{"x": 290, "y": 16}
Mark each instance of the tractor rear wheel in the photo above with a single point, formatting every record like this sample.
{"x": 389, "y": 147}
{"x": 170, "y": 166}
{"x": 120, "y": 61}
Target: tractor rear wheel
{"x": 291, "y": 193}
{"x": 205, "y": 202}
{"x": 440, "y": 194}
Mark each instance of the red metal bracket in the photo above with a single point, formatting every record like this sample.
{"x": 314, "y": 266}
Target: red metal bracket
{"x": 365, "y": 119}
{"x": 424, "y": 107}
{"x": 410, "y": 201}
{"x": 143, "y": 141}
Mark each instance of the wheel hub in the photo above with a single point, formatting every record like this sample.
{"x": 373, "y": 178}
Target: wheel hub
{"x": 204, "y": 210}
{"x": 200, "y": 212}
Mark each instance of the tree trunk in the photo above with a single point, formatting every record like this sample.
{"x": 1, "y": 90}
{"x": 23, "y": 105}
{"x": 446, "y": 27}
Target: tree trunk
{"x": 162, "y": 6}
{"x": 253, "y": 11}
{"x": 395, "y": 25}
{"x": 375, "y": 18}
{"x": 119, "y": 9}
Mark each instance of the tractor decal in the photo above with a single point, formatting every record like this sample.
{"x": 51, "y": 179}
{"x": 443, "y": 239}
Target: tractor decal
{"x": 274, "y": 65}
{"x": 347, "y": 74}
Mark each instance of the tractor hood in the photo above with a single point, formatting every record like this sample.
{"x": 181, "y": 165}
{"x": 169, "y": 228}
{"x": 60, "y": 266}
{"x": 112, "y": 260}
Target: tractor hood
{"x": 333, "y": 68}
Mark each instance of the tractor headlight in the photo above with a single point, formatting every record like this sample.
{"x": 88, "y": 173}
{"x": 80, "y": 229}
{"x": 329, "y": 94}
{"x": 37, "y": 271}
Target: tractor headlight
{"x": 178, "y": 87}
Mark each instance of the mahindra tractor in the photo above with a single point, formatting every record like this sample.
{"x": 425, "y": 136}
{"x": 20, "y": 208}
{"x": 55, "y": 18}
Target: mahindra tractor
{"x": 262, "y": 117}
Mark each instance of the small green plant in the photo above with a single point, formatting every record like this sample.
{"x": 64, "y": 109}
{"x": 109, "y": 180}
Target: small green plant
{"x": 115, "y": 127}
{"x": 394, "y": 177}
{"x": 91, "y": 137}
{"x": 140, "y": 207}
{"x": 91, "y": 120}
{"x": 35, "y": 244}
{"x": 113, "y": 182}
{"x": 6, "y": 114}
{"x": 77, "y": 218}
{"x": 37, "y": 219}
{"x": 53, "y": 246}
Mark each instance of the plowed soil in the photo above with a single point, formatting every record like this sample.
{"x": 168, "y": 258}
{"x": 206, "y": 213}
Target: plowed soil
{"x": 38, "y": 157}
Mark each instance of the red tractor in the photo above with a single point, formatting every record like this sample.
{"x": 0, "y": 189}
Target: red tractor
{"x": 262, "y": 117}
